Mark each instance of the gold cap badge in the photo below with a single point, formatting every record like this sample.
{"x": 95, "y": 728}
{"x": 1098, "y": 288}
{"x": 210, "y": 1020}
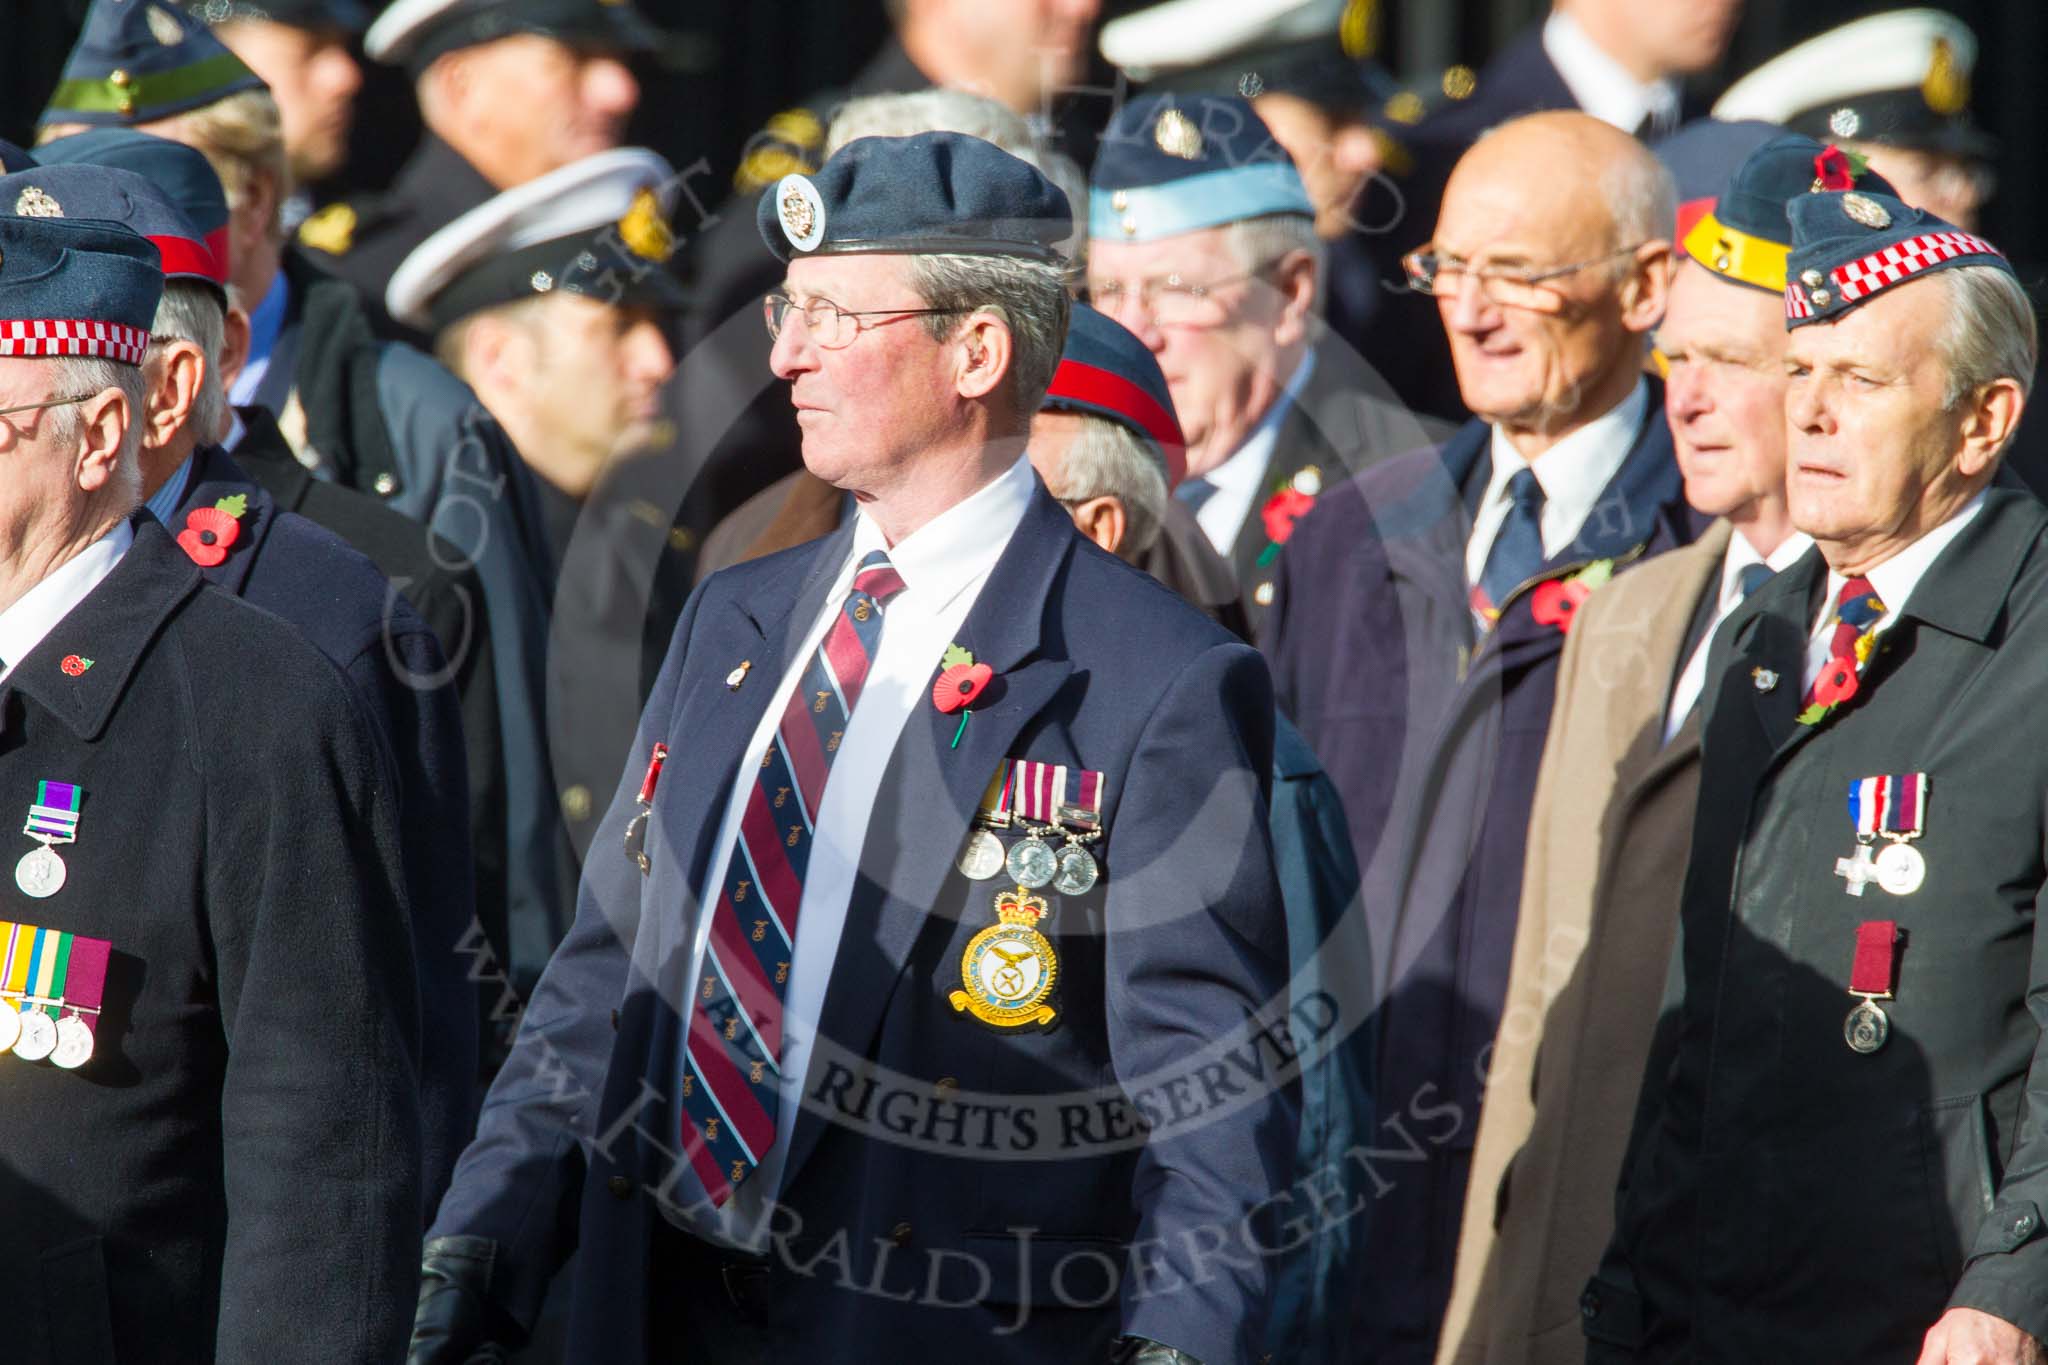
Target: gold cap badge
{"x": 34, "y": 202}
{"x": 1176, "y": 135}
{"x": 644, "y": 231}
{"x": 802, "y": 212}
{"x": 1868, "y": 212}
{"x": 1947, "y": 86}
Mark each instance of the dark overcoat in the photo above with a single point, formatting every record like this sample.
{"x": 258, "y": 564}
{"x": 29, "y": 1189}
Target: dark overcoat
{"x": 1095, "y": 665}
{"x": 336, "y": 598}
{"x": 1433, "y": 735}
{"x": 234, "y": 1175}
{"x": 1793, "y": 1199}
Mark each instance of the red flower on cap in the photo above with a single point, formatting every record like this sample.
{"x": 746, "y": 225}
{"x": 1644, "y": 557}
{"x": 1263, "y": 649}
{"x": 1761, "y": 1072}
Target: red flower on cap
{"x": 208, "y": 535}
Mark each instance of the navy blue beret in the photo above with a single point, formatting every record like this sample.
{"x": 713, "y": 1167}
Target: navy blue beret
{"x": 75, "y": 286}
{"x": 13, "y": 158}
{"x": 140, "y": 60}
{"x": 1849, "y": 247}
{"x": 1108, "y": 372}
{"x": 1747, "y": 235}
{"x": 1701, "y": 156}
{"x": 934, "y": 193}
{"x": 178, "y": 174}
{"x": 1170, "y": 164}
{"x": 110, "y": 195}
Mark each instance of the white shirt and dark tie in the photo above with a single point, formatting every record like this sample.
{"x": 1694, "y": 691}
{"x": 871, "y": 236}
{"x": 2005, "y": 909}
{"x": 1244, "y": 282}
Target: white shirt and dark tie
{"x": 1893, "y": 581}
{"x": 1743, "y": 571}
{"x": 945, "y": 564}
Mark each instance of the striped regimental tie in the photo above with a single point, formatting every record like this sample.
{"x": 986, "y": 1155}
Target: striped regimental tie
{"x": 732, "y": 1055}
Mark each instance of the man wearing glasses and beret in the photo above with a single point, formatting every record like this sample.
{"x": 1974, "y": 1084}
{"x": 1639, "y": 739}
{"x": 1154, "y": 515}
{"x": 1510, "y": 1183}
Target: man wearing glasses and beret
{"x": 794, "y": 1085}
{"x": 1422, "y": 607}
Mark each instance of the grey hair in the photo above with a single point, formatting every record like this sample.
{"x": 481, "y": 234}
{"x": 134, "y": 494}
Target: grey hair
{"x": 1108, "y": 459}
{"x": 1642, "y": 201}
{"x": 1259, "y": 242}
{"x": 1991, "y": 332}
{"x": 1029, "y": 296}
{"x": 957, "y": 111}
{"x": 82, "y": 374}
{"x": 189, "y": 311}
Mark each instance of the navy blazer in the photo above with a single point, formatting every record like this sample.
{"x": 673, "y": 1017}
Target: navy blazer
{"x": 1028, "y": 1179}
{"x": 336, "y": 598}
{"x": 1433, "y": 736}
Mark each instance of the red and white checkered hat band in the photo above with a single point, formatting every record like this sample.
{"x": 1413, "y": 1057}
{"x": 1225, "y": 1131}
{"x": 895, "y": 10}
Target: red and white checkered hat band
{"x": 58, "y": 336}
{"x": 1859, "y": 279}
{"x": 1797, "y": 305}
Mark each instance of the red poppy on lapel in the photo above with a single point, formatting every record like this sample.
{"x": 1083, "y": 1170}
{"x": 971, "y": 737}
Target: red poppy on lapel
{"x": 210, "y": 532}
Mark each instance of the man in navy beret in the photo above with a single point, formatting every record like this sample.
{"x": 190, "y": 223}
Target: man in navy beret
{"x": 1842, "y": 1158}
{"x": 840, "y": 1052}
{"x": 209, "y": 1019}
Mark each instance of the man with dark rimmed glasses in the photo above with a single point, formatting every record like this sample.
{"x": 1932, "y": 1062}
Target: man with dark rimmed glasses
{"x": 1422, "y": 609}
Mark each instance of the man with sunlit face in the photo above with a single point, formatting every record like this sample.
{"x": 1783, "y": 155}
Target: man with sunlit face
{"x": 1422, "y": 607}
{"x": 797, "y": 884}
{"x": 1614, "y": 804}
{"x": 509, "y": 90}
{"x": 1855, "y": 975}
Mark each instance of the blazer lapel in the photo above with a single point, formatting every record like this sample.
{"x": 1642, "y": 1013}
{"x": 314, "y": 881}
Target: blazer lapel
{"x": 931, "y": 790}
{"x": 215, "y": 476}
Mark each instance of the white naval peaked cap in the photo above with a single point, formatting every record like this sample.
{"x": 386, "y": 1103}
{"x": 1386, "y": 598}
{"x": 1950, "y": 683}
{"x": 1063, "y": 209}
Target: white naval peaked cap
{"x": 598, "y": 227}
{"x": 1191, "y": 33}
{"x": 1891, "y": 51}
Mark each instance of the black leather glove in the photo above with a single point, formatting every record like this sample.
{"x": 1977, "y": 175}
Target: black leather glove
{"x": 1145, "y": 1351}
{"x": 455, "y": 1323}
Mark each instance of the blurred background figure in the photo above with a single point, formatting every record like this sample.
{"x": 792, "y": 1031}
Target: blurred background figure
{"x": 302, "y": 49}
{"x": 509, "y": 90}
{"x": 1894, "y": 88}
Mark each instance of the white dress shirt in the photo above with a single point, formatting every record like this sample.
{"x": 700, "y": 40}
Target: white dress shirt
{"x": 36, "y": 612}
{"x": 1239, "y": 480}
{"x": 1692, "y": 680}
{"x": 1604, "y": 87}
{"x": 1893, "y": 581}
{"x": 1572, "y": 473}
{"x": 944, "y": 565}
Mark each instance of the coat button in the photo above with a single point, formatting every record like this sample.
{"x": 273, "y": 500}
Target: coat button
{"x": 900, "y": 1234}
{"x": 386, "y": 484}
{"x": 1589, "y": 1304}
{"x": 2023, "y": 1225}
{"x": 620, "y": 1186}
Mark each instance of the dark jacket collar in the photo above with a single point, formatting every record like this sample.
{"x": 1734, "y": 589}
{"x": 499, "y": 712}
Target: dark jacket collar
{"x": 267, "y": 459}
{"x": 115, "y": 626}
{"x": 214, "y": 476}
{"x": 440, "y": 182}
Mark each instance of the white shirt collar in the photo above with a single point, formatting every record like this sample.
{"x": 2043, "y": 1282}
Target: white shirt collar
{"x": 1573, "y": 473}
{"x": 956, "y": 548}
{"x": 1741, "y": 554}
{"x": 1247, "y": 464}
{"x": 36, "y": 612}
{"x": 1895, "y": 579}
{"x": 1602, "y": 86}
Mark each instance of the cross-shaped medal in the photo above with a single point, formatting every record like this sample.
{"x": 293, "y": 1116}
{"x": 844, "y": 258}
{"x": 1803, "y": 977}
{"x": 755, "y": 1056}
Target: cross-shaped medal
{"x": 1859, "y": 869}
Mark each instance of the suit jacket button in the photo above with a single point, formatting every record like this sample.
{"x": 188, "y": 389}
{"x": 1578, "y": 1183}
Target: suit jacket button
{"x": 620, "y": 1186}
{"x": 1589, "y": 1304}
{"x": 900, "y": 1234}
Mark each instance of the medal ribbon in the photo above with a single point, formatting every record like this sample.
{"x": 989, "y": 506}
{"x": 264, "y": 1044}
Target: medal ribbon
{"x": 1876, "y": 949}
{"x": 1893, "y": 806}
{"x": 14, "y": 967}
{"x": 85, "y": 982}
{"x": 48, "y": 962}
{"x": 54, "y": 816}
{"x": 1041, "y": 790}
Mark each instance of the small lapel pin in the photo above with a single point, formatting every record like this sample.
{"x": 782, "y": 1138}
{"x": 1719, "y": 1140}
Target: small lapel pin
{"x": 1764, "y": 679}
{"x": 74, "y": 665}
{"x": 738, "y": 675}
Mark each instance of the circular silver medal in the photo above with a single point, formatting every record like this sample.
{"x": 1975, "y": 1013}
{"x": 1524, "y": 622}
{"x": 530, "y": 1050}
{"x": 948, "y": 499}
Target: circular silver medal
{"x": 40, "y": 872}
{"x": 1901, "y": 869}
{"x": 1031, "y": 863}
{"x": 982, "y": 857}
{"x": 1866, "y": 1028}
{"x": 74, "y": 1043}
{"x": 10, "y": 1026}
{"x": 1077, "y": 873}
{"x": 38, "y": 1036}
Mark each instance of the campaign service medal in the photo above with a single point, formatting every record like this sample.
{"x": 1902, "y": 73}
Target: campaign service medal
{"x": 981, "y": 857}
{"x": 1870, "y": 980}
{"x": 53, "y": 819}
{"x": 1008, "y": 969}
{"x": 1064, "y": 801}
{"x": 1031, "y": 863}
{"x": 1894, "y": 808}
{"x": 53, "y": 984}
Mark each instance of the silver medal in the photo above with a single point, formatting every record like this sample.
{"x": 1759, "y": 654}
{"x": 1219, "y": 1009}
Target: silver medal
{"x": 40, "y": 872}
{"x": 1866, "y": 1028}
{"x": 10, "y": 1025}
{"x": 982, "y": 857}
{"x": 1077, "y": 872}
{"x": 38, "y": 1036}
{"x": 1901, "y": 869}
{"x": 1031, "y": 863}
{"x": 74, "y": 1043}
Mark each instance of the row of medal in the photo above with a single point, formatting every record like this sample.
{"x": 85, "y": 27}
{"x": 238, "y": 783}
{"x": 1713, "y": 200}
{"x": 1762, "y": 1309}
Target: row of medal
{"x": 1894, "y": 808}
{"x": 51, "y": 986}
{"x": 1046, "y": 801}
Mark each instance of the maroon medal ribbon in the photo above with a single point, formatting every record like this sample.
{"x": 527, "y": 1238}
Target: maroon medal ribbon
{"x": 1870, "y": 978}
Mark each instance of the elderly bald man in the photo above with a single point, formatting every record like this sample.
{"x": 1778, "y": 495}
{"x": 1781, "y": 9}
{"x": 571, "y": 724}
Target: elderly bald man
{"x": 1846, "y": 1161}
{"x": 1420, "y": 612}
